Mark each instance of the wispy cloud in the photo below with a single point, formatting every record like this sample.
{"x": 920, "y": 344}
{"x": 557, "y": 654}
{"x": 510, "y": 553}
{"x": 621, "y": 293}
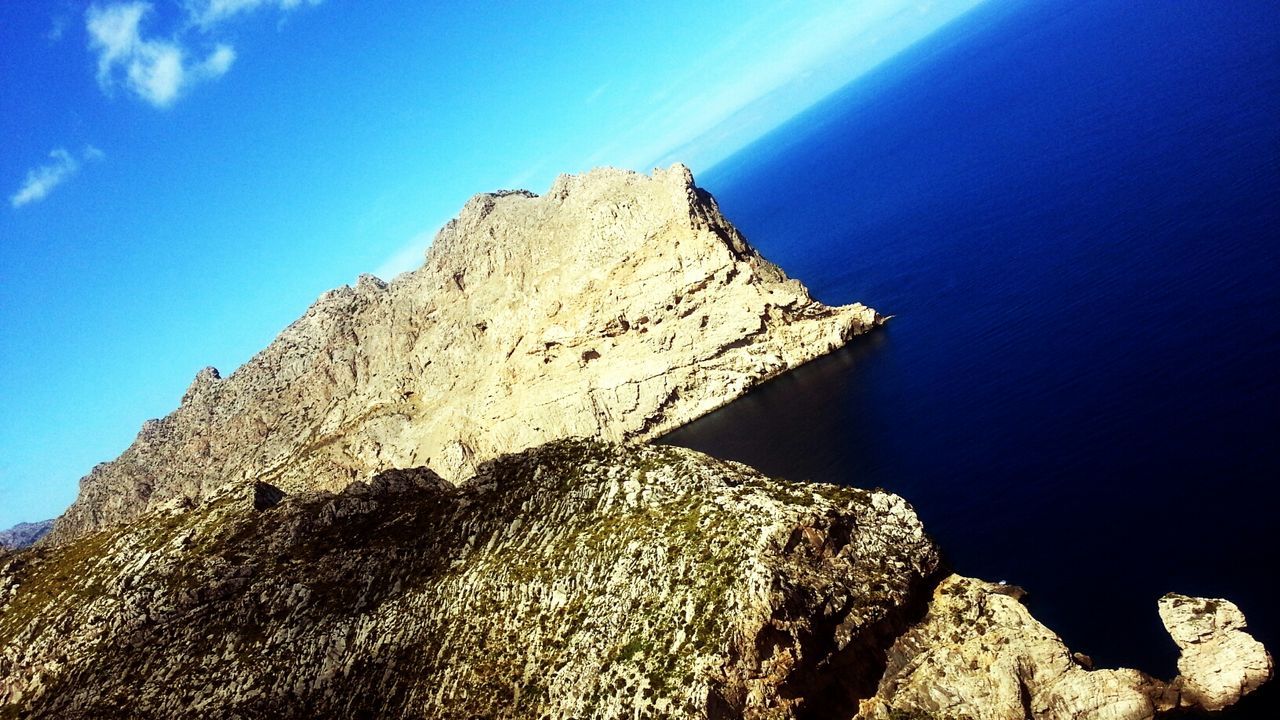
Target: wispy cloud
{"x": 409, "y": 257}
{"x": 207, "y": 13}
{"x": 157, "y": 68}
{"x": 157, "y": 71}
{"x": 597, "y": 93}
{"x": 43, "y": 179}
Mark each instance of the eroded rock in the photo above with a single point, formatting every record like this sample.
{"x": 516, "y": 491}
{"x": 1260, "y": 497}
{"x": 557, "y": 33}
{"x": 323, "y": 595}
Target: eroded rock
{"x": 980, "y": 654}
{"x": 578, "y": 579}
{"x": 1220, "y": 663}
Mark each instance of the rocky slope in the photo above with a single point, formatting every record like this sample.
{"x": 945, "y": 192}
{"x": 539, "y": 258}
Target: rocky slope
{"x": 24, "y": 534}
{"x": 575, "y": 580}
{"x": 616, "y": 306}
{"x": 580, "y": 579}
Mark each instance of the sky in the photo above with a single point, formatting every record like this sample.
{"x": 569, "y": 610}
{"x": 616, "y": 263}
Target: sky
{"x": 183, "y": 178}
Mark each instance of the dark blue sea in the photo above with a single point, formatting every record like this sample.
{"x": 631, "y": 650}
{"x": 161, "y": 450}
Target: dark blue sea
{"x": 1072, "y": 211}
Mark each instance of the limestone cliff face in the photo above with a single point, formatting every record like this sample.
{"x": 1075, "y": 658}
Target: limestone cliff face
{"x": 576, "y": 580}
{"x": 615, "y": 306}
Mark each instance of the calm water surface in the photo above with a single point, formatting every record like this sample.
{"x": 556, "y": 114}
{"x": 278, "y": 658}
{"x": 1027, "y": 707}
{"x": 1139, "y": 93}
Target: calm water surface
{"x": 1073, "y": 212}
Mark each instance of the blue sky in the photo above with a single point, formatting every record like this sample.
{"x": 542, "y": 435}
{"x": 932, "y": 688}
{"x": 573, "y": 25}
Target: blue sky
{"x": 182, "y": 178}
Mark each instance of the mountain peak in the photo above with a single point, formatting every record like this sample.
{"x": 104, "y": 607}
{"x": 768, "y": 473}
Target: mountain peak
{"x": 618, "y": 305}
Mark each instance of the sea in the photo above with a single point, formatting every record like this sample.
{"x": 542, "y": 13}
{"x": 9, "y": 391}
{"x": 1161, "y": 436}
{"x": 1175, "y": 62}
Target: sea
{"x": 1072, "y": 212}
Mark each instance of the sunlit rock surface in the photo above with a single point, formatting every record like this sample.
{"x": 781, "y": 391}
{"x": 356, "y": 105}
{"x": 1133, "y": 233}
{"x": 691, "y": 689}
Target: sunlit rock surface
{"x": 617, "y": 306}
{"x": 980, "y": 654}
{"x": 1220, "y": 662}
{"x": 277, "y": 547}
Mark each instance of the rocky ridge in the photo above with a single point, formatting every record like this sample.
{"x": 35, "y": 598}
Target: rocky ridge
{"x": 578, "y": 579}
{"x": 24, "y": 534}
{"x": 616, "y": 306}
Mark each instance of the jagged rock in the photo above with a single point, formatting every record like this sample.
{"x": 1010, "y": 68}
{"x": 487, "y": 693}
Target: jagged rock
{"x": 979, "y": 654}
{"x": 1220, "y": 663}
{"x": 617, "y": 306}
{"x": 575, "y": 580}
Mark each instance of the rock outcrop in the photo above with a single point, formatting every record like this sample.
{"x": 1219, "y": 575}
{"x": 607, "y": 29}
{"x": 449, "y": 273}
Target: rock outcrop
{"x": 380, "y": 515}
{"x": 616, "y": 306}
{"x": 578, "y": 579}
{"x": 575, "y": 580}
{"x": 979, "y": 654}
{"x": 1219, "y": 662}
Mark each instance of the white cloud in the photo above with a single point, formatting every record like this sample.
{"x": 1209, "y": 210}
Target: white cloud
{"x": 56, "y": 30}
{"x": 93, "y": 153}
{"x": 207, "y": 13}
{"x": 219, "y": 61}
{"x": 42, "y": 180}
{"x": 113, "y": 30}
{"x": 155, "y": 70}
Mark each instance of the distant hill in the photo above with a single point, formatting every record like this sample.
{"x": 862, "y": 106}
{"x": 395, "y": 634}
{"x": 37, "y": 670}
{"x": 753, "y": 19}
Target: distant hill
{"x": 24, "y": 534}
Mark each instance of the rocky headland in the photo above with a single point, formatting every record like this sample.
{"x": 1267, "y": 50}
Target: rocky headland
{"x": 387, "y": 513}
{"x": 616, "y": 306}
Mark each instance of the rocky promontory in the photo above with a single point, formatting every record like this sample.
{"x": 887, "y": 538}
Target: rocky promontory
{"x": 617, "y": 306}
{"x": 388, "y": 512}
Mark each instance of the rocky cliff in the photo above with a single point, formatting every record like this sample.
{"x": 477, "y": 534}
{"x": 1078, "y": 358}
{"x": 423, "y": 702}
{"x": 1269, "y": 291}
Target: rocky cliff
{"x": 576, "y": 580}
{"x": 615, "y": 306}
